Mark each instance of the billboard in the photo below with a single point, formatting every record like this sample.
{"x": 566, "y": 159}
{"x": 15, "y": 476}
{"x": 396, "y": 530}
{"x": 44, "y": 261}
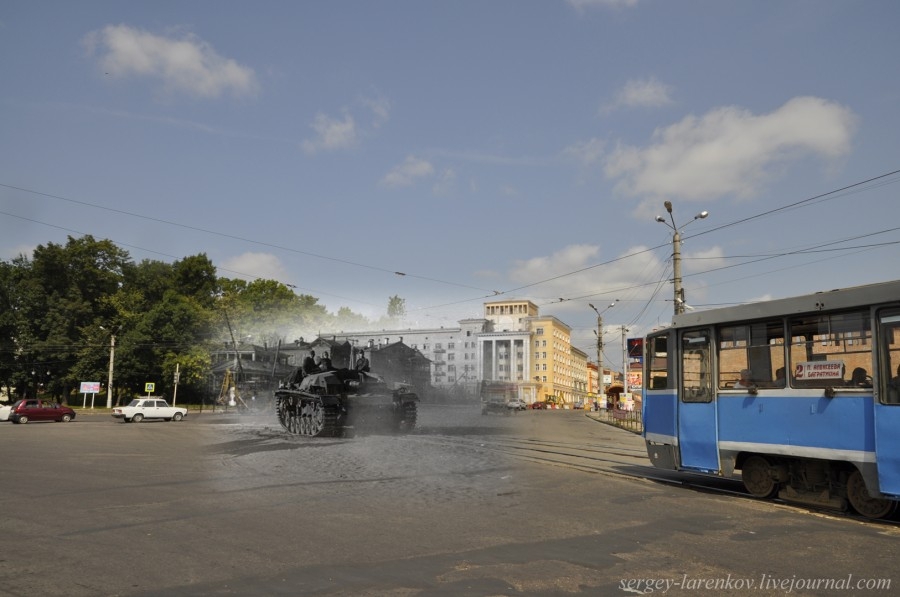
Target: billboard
{"x": 636, "y": 349}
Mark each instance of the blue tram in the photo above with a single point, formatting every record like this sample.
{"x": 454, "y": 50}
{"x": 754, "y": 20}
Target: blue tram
{"x": 802, "y": 395}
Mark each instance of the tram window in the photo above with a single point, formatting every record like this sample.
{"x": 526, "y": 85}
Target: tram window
{"x": 658, "y": 362}
{"x": 890, "y": 361}
{"x": 696, "y": 385}
{"x": 756, "y": 347}
{"x": 830, "y": 350}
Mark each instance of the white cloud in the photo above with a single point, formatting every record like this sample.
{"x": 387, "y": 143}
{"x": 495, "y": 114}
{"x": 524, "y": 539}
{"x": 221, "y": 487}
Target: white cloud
{"x": 408, "y": 172}
{"x": 641, "y": 93}
{"x": 730, "y": 151}
{"x": 332, "y": 134}
{"x": 11, "y": 253}
{"x": 585, "y": 278}
{"x": 186, "y": 64}
{"x": 568, "y": 259}
{"x": 587, "y": 152}
{"x": 446, "y": 183}
{"x": 256, "y": 265}
{"x": 703, "y": 261}
{"x": 582, "y": 5}
{"x": 381, "y": 109}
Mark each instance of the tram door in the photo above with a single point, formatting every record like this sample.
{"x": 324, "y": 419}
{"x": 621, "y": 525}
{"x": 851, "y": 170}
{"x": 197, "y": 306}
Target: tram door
{"x": 887, "y": 406}
{"x": 697, "y": 427}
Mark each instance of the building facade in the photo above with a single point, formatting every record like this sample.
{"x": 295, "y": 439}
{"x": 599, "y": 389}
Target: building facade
{"x": 512, "y": 343}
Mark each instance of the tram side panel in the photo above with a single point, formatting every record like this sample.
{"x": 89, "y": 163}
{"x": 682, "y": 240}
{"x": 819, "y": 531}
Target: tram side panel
{"x": 793, "y": 423}
{"x": 659, "y": 411}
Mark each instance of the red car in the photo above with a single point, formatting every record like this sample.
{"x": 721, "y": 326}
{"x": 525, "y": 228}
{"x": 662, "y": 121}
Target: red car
{"x": 39, "y": 409}
{"x": 539, "y": 405}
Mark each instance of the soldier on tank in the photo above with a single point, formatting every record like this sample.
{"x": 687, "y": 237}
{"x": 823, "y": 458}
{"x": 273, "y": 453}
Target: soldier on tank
{"x": 362, "y": 363}
{"x": 309, "y": 363}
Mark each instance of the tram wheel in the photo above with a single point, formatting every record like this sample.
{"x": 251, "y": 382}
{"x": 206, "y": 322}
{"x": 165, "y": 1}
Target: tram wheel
{"x": 862, "y": 502}
{"x": 757, "y": 478}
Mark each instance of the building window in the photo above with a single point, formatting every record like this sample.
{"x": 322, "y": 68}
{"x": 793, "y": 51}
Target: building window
{"x": 539, "y": 331}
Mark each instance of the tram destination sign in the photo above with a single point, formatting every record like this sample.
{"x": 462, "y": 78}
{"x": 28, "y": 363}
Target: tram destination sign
{"x": 808, "y": 370}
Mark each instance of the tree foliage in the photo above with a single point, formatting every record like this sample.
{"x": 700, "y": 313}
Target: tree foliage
{"x": 61, "y": 308}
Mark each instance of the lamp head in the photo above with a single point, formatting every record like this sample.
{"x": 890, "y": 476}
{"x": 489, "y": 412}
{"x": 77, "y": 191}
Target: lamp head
{"x": 660, "y": 219}
{"x": 668, "y": 205}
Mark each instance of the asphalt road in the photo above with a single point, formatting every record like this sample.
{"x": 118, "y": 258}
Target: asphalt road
{"x": 465, "y": 505}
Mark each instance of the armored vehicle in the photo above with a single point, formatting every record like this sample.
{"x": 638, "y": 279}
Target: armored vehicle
{"x": 330, "y": 402}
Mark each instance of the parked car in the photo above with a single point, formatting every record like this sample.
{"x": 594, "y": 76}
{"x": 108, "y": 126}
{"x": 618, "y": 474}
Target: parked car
{"x": 516, "y": 404}
{"x": 4, "y": 411}
{"x": 40, "y": 409}
{"x": 149, "y": 408}
{"x": 578, "y": 405}
{"x": 539, "y": 405}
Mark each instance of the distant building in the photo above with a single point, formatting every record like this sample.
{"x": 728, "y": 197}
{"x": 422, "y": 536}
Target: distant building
{"x": 256, "y": 369}
{"x": 511, "y": 343}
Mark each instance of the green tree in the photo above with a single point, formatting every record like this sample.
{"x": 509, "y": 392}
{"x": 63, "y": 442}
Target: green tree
{"x": 59, "y": 292}
{"x": 195, "y": 277}
{"x": 267, "y": 311}
{"x": 346, "y": 319}
{"x": 396, "y": 308}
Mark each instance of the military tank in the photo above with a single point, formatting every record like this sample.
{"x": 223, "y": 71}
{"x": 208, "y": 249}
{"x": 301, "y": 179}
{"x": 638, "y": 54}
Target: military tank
{"x": 327, "y": 404}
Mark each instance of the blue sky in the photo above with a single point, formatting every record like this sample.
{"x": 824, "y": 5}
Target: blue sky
{"x": 485, "y": 149}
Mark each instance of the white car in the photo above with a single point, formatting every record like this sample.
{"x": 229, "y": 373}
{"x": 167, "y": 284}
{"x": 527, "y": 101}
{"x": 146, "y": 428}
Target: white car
{"x": 516, "y": 404}
{"x": 4, "y": 411}
{"x": 149, "y": 408}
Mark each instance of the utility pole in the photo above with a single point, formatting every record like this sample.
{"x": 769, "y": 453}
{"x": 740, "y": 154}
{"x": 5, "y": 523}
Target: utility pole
{"x": 109, "y": 381}
{"x": 625, "y": 363}
{"x": 601, "y": 389}
{"x": 678, "y": 298}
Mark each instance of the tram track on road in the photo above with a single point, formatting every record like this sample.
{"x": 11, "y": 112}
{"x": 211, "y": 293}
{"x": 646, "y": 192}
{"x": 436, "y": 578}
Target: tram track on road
{"x": 626, "y": 463}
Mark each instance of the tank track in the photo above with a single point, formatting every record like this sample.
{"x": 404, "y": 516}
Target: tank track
{"x": 407, "y": 421}
{"x": 307, "y": 417}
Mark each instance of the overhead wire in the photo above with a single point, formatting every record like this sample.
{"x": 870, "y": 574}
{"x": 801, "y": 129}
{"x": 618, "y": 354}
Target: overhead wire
{"x": 154, "y": 252}
{"x": 881, "y": 180}
{"x": 395, "y": 271}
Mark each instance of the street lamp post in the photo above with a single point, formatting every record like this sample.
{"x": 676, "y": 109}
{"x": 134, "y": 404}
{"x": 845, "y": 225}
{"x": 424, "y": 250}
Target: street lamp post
{"x": 676, "y": 253}
{"x": 601, "y": 391}
{"x": 112, "y": 359}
